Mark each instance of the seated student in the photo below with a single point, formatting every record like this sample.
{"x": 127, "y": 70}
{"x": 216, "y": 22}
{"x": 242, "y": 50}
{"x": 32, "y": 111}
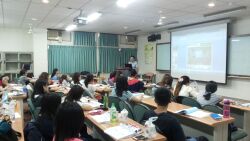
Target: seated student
{"x": 134, "y": 85}
{"x": 45, "y": 76}
{"x": 122, "y": 92}
{"x": 75, "y": 95}
{"x": 111, "y": 79}
{"x": 4, "y": 83}
{"x": 64, "y": 80}
{"x": 182, "y": 88}
{"x": 23, "y": 79}
{"x": 76, "y": 79}
{"x": 40, "y": 89}
{"x": 209, "y": 97}
{"x": 69, "y": 123}
{"x": 55, "y": 74}
{"x": 166, "y": 124}
{"x": 166, "y": 82}
{"x": 91, "y": 87}
{"x": 42, "y": 128}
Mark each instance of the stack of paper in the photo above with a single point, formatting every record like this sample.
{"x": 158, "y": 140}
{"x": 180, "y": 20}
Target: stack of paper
{"x": 120, "y": 132}
{"x": 90, "y": 102}
{"x": 194, "y": 112}
{"x": 105, "y": 117}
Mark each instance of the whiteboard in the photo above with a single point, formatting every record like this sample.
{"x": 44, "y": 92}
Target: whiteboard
{"x": 239, "y": 56}
{"x": 163, "y": 54}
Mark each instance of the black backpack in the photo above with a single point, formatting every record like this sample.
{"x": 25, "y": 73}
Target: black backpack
{"x": 32, "y": 132}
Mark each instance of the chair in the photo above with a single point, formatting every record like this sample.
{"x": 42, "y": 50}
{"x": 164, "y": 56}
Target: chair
{"x": 179, "y": 99}
{"x": 149, "y": 77}
{"x": 116, "y": 101}
{"x": 128, "y": 107}
{"x": 232, "y": 136}
{"x": 191, "y": 102}
{"x": 86, "y": 93}
{"x": 213, "y": 109}
{"x": 139, "y": 111}
{"x": 34, "y": 112}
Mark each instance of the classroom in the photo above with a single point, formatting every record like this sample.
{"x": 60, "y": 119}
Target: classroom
{"x": 124, "y": 70}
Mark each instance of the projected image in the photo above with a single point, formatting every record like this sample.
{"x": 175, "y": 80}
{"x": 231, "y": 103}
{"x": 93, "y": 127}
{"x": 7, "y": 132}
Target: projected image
{"x": 199, "y": 56}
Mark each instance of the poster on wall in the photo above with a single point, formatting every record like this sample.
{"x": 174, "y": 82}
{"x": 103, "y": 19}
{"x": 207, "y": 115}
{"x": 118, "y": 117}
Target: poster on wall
{"x": 148, "y": 53}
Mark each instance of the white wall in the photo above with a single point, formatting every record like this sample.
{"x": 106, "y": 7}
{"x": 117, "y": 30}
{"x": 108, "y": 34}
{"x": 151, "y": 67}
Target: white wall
{"x": 237, "y": 88}
{"x": 40, "y": 51}
{"x": 15, "y": 40}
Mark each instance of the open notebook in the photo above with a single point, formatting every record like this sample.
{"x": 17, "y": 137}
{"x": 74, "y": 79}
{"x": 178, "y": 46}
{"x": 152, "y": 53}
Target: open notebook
{"x": 194, "y": 112}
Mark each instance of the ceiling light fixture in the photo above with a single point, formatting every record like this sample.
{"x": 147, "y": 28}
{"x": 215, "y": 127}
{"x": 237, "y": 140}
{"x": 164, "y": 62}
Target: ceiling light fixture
{"x": 160, "y": 22}
{"x": 211, "y": 4}
{"x": 71, "y": 27}
{"x": 30, "y": 29}
{"x": 166, "y": 24}
{"x": 33, "y": 19}
{"x": 45, "y": 1}
{"x": 225, "y": 11}
{"x": 125, "y": 27}
{"x": 123, "y": 3}
{"x": 163, "y": 17}
{"x": 132, "y": 31}
{"x": 94, "y": 16}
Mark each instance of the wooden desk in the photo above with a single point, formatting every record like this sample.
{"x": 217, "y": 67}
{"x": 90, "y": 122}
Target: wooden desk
{"x": 102, "y": 126}
{"x": 19, "y": 98}
{"x": 246, "y": 110}
{"x": 220, "y": 128}
{"x": 18, "y": 123}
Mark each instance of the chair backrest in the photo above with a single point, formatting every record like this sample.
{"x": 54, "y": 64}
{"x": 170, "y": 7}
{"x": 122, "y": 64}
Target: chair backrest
{"x": 116, "y": 101}
{"x": 32, "y": 108}
{"x": 179, "y": 99}
{"x": 191, "y": 102}
{"x": 128, "y": 107}
{"x": 213, "y": 109}
{"x": 139, "y": 111}
{"x": 86, "y": 93}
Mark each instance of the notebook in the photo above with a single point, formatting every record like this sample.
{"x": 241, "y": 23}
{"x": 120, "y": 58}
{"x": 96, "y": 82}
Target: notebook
{"x": 194, "y": 112}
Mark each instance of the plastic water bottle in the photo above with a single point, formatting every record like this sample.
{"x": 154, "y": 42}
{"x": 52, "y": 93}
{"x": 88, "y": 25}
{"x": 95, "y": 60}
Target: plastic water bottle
{"x": 113, "y": 114}
{"x": 12, "y": 106}
{"x": 150, "y": 130}
{"x": 226, "y": 108}
{"x": 5, "y": 97}
{"x": 105, "y": 102}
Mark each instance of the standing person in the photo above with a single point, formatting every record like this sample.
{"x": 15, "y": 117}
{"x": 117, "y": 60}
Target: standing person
{"x": 55, "y": 74}
{"x": 133, "y": 62}
{"x": 183, "y": 88}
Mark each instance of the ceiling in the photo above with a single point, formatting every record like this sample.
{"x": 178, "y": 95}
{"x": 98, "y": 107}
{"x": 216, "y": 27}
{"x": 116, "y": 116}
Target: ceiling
{"x": 141, "y": 14}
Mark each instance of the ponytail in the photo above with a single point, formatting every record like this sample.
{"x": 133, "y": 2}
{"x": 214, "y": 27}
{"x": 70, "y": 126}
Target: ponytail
{"x": 207, "y": 95}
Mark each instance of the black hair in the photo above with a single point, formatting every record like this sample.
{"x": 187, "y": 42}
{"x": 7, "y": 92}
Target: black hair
{"x": 76, "y": 78}
{"x": 22, "y": 72}
{"x": 133, "y": 72}
{"x": 132, "y": 56}
{"x": 44, "y": 76}
{"x": 121, "y": 85}
{"x": 112, "y": 74}
{"x": 69, "y": 121}
{"x": 30, "y": 75}
{"x": 38, "y": 87}
{"x": 211, "y": 88}
{"x": 54, "y": 72}
{"x": 162, "y": 96}
{"x": 88, "y": 79}
{"x": 75, "y": 93}
{"x": 64, "y": 77}
{"x": 49, "y": 105}
{"x": 184, "y": 81}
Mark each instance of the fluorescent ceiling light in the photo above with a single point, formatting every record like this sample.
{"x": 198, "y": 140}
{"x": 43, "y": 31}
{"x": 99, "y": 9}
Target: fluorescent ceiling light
{"x": 123, "y": 3}
{"x": 163, "y": 17}
{"x": 166, "y": 24}
{"x": 71, "y": 27}
{"x": 235, "y": 40}
{"x": 211, "y": 4}
{"x": 132, "y": 31}
{"x": 94, "y": 16}
{"x": 225, "y": 11}
{"x": 34, "y": 19}
{"x": 45, "y": 1}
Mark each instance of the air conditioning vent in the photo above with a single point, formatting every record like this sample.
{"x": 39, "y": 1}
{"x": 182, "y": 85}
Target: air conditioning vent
{"x": 127, "y": 40}
{"x": 59, "y": 35}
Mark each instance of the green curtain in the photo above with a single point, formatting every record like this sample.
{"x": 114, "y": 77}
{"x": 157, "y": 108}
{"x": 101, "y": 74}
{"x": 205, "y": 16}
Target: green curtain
{"x": 112, "y": 58}
{"x": 84, "y": 38}
{"x": 70, "y": 59}
{"x": 108, "y": 40}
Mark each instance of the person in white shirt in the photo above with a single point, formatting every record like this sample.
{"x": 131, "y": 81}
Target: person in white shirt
{"x": 209, "y": 97}
{"x": 182, "y": 88}
{"x": 133, "y": 62}
{"x": 91, "y": 87}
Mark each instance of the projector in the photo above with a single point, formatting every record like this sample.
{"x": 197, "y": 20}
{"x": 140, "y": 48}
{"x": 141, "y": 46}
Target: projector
{"x": 80, "y": 20}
